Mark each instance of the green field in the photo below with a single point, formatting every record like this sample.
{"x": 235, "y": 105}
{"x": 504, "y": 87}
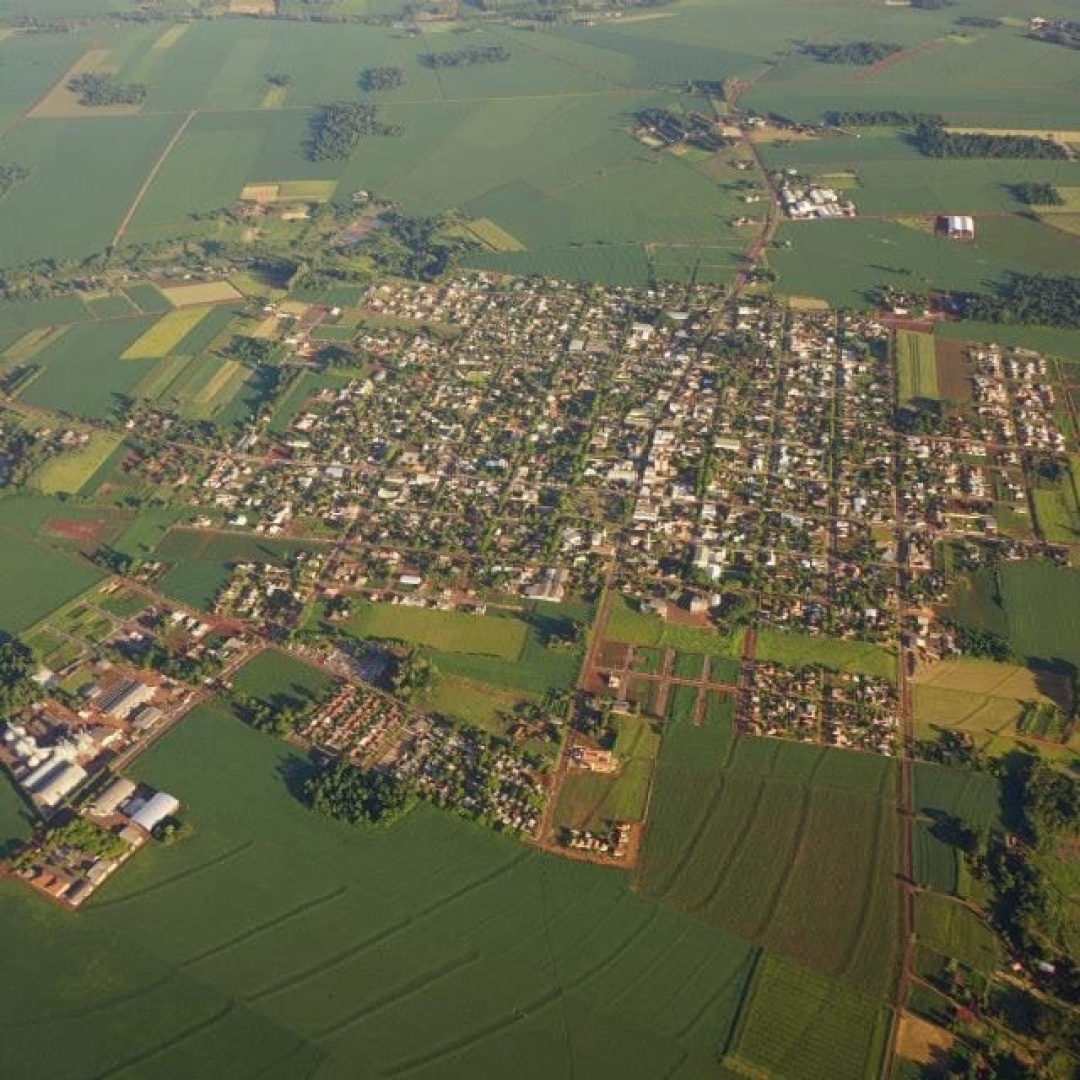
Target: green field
{"x": 16, "y": 819}
{"x": 916, "y": 367}
{"x": 805, "y": 650}
{"x": 788, "y": 845}
{"x": 273, "y": 943}
{"x": 953, "y": 930}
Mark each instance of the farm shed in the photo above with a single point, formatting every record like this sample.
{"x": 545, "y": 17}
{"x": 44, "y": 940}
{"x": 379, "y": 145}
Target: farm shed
{"x": 156, "y": 810}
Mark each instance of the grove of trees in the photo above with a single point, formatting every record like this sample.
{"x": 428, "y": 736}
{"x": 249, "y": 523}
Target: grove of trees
{"x": 1029, "y": 300}
{"x": 862, "y": 53}
{"x": 935, "y": 141}
{"x": 467, "y": 57}
{"x": 96, "y": 90}
{"x": 346, "y": 793}
{"x": 381, "y": 78}
{"x": 335, "y": 129}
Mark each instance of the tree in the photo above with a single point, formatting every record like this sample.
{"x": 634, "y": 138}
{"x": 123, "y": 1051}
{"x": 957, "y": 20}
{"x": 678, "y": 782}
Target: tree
{"x": 279, "y": 79}
{"x": 381, "y": 78}
{"x": 96, "y": 90}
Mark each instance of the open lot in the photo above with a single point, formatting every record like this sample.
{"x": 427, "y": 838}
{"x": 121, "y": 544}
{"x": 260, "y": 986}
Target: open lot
{"x": 72, "y": 471}
{"x": 916, "y": 363}
{"x": 446, "y": 631}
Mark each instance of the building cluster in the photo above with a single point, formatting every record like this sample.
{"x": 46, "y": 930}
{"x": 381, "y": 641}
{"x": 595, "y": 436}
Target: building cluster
{"x": 813, "y": 705}
{"x": 469, "y": 771}
{"x": 70, "y": 862}
{"x": 354, "y": 722}
{"x": 805, "y": 200}
{"x": 613, "y": 843}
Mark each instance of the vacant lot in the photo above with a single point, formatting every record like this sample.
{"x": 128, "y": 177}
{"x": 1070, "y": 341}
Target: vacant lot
{"x": 636, "y": 628}
{"x": 804, "y": 650}
{"x": 211, "y": 292}
{"x": 446, "y": 631}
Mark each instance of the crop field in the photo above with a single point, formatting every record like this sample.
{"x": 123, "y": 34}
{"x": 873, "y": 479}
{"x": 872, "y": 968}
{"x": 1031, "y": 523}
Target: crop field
{"x": 275, "y": 941}
{"x": 1041, "y": 604}
{"x": 592, "y": 801}
{"x": 446, "y": 631}
{"x": 166, "y": 334}
{"x": 1057, "y": 512}
{"x": 941, "y": 790}
{"x": 916, "y": 365}
{"x": 732, "y": 823}
{"x": 71, "y": 472}
{"x": 636, "y": 628}
{"x": 82, "y": 370}
{"x": 84, "y": 189}
{"x": 969, "y": 675}
{"x": 35, "y": 579}
{"x": 212, "y": 292}
{"x": 936, "y": 862}
{"x": 954, "y": 930}
{"x": 798, "y": 1025}
{"x": 845, "y": 261}
{"x": 16, "y": 820}
{"x": 804, "y": 650}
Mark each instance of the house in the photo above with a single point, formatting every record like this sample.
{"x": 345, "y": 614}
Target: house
{"x": 957, "y": 227}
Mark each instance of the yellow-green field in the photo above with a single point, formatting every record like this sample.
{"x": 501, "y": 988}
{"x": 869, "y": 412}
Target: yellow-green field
{"x": 170, "y": 37}
{"x": 973, "y": 676}
{"x": 210, "y": 292}
{"x": 493, "y": 236}
{"x": 289, "y": 191}
{"x": 165, "y": 334}
{"x": 68, "y": 473}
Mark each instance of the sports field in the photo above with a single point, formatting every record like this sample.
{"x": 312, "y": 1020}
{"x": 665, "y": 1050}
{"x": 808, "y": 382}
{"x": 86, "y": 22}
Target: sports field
{"x": 274, "y": 942}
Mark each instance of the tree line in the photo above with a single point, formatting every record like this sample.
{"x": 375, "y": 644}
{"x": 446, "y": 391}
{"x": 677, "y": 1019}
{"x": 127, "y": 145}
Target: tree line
{"x": 1029, "y": 300}
{"x": 862, "y": 53}
{"x": 1037, "y": 194}
{"x": 880, "y": 118}
{"x": 935, "y": 141}
{"x": 335, "y": 129}
{"x": 467, "y": 57}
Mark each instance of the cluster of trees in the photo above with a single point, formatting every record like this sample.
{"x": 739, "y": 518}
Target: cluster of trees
{"x": 467, "y": 57}
{"x": 336, "y": 128}
{"x": 932, "y": 5}
{"x": 279, "y": 79}
{"x": 10, "y": 175}
{"x": 980, "y": 22}
{"x": 17, "y": 667}
{"x": 880, "y": 118}
{"x": 1029, "y": 300}
{"x": 95, "y": 90}
{"x": 934, "y": 141}
{"x": 1037, "y": 194}
{"x": 862, "y": 53}
{"x": 278, "y": 717}
{"x": 413, "y": 676}
{"x": 415, "y": 247}
{"x": 973, "y": 641}
{"x": 694, "y": 128}
{"x": 84, "y": 836}
{"x": 361, "y": 798}
{"x": 172, "y": 665}
{"x": 381, "y": 78}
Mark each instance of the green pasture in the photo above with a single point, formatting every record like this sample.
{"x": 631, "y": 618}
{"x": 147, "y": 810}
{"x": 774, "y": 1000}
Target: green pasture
{"x": 638, "y": 628}
{"x": 72, "y": 471}
{"x": 35, "y": 579}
